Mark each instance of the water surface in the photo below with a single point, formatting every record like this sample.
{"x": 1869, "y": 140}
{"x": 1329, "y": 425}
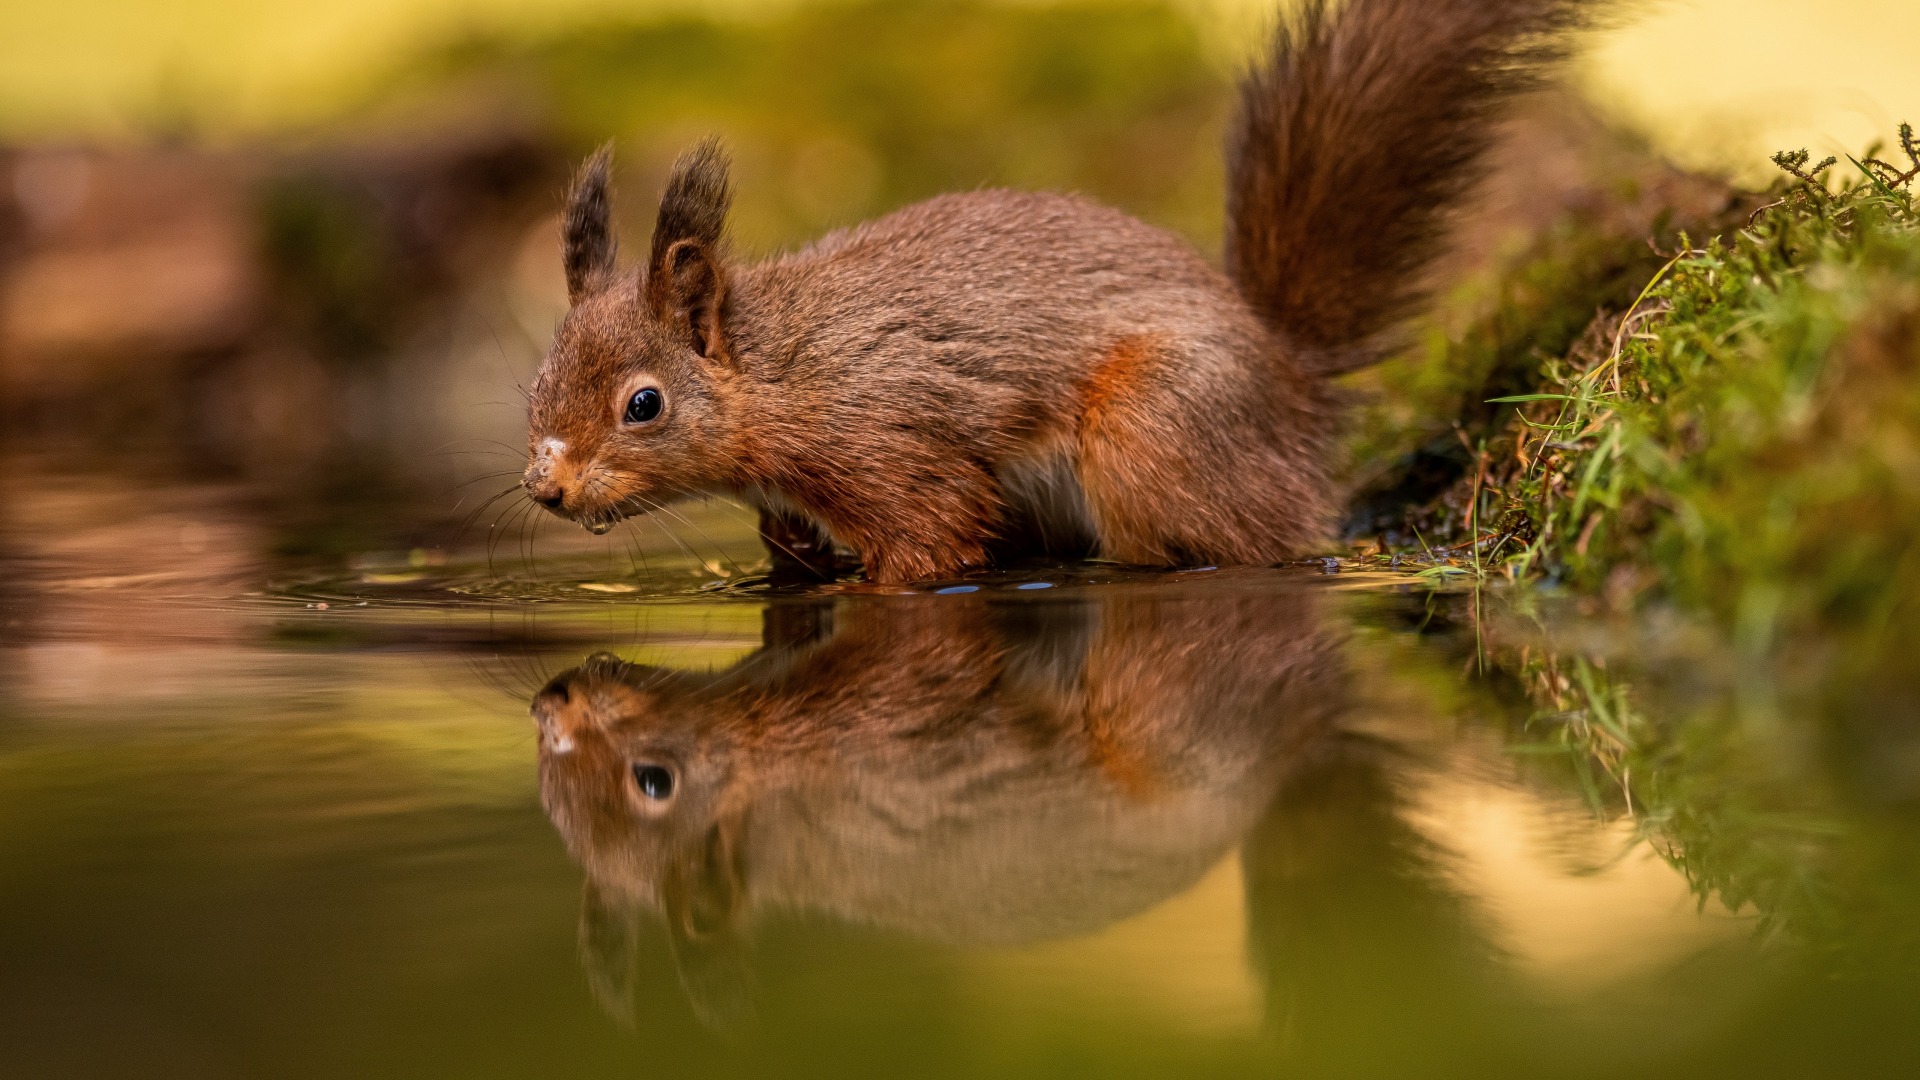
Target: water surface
{"x": 426, "y": 815}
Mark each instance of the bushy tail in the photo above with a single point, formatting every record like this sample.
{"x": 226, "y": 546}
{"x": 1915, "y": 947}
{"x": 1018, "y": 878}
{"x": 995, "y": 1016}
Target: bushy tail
{"x": 1356, "y": 138}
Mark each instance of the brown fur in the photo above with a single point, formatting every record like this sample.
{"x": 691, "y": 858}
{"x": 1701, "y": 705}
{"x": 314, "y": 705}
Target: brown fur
{"x": 975, "y": 368}
{"x": 947, "y": 767}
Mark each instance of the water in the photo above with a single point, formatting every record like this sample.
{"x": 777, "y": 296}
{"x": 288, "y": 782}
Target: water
{"x": 269, "y": 820}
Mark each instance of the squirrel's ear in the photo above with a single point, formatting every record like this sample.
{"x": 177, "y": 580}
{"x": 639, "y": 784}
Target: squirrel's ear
{"x": 586, "y": 229}
{"x": 686, "y": 281}
{"x": 702, "y": 895}
{"x": 688, "y": 291}
{"x": 703, "y": 886}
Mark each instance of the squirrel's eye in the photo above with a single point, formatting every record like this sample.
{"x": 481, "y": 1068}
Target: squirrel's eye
{"x": 643, "y": 406}
{"x": 655, "y": 781}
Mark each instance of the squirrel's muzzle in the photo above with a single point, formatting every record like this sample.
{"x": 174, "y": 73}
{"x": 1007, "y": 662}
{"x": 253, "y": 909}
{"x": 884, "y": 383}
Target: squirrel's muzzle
{"x": 557, "y": 483}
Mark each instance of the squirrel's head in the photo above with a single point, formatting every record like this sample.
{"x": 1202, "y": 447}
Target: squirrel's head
{"x": 638, "y": 784}
{"x": 637, "y": 779}
{"x": 628, "y": 409}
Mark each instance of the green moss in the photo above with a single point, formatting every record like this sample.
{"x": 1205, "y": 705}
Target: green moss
{"x": 1735, "y": 440}
{"x": 1415, "y": 440}
{"x": 1753, "y": 446}
{"x": 1743, "y": 442}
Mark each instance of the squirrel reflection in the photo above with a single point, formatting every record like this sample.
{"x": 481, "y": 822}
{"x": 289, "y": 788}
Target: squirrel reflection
{"x": 957, "y": 768}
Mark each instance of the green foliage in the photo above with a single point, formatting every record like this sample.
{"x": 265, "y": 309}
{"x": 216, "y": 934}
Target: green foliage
{"x": 1753, "y": 437}
{"x": 1736, "y": 438}
{"x": 1731, "y": 789}
{"x": 333, "y": 263}
{"x": 840, "y": 111}
{"x": 1430, "y": 411}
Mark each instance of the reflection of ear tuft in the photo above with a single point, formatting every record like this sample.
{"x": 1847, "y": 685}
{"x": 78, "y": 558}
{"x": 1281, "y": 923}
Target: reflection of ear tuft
{"x": 586, "y": 229}
{"x": 609, "y": 943}
{"x": 702, "y": 896}
{"x": 718, "y": 981}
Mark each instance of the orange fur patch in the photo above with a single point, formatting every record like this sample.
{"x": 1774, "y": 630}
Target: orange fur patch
{"x": 1118, "y": 375}
{"x": 1131, "y": 768}
{"x": 1110, "y": 472}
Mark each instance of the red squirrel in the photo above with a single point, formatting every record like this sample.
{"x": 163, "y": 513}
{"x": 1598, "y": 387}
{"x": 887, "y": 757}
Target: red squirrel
{"x": 1003, "y": 372}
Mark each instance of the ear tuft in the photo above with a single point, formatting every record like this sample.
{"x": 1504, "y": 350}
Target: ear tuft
{"x": 694, "y": 206}
{"x": 586, "y": 229}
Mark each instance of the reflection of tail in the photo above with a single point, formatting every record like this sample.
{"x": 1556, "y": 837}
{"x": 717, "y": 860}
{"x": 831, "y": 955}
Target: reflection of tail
{"x": 1350, "y": 925}
{"x": 1354, "y": 141}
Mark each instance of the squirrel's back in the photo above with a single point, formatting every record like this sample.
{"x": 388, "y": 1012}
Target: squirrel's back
{"x": 1022, "y": 286}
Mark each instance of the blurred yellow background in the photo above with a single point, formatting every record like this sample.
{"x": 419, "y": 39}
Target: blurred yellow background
{"x": 1714, "y": 81}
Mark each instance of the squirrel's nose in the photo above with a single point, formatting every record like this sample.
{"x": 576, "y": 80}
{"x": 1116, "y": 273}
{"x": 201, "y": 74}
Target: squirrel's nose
{"x": 555, "y": 716}
{"x": 548, "y": 494}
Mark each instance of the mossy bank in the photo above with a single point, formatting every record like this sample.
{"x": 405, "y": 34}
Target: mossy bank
{"x": 1737, "y": 438}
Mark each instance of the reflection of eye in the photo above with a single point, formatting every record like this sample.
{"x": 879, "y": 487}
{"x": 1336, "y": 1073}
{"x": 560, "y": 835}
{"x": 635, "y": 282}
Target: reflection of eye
{"x": 643, "y": 406}
{"x": 654, "y": 780}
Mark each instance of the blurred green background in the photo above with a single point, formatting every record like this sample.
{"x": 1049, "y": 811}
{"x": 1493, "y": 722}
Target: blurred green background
{"x": 1742, "y": 75}
{"x": 311, "y": 246}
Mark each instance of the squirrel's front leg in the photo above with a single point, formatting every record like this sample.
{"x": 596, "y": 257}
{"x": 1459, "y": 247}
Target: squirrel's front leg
{"x": 913, "y": 523}
{"x": 890, "y": 562}
{"x": 797, "y": 547}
